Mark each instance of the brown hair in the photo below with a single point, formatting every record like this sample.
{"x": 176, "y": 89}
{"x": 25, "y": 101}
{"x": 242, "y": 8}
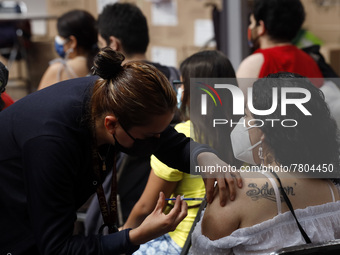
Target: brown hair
{"x": 209, "y": 64}
{"x": 203, "y": 64}
{"x": 134, "y": 92}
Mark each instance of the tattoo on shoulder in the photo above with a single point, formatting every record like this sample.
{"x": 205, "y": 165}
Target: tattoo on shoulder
{"x": 256, "y": 193}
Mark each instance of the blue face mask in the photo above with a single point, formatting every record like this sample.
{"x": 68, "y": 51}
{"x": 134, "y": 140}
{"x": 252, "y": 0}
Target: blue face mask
{"x": 59, "y": 46}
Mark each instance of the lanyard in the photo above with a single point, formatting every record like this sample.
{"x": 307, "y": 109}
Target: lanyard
{"x": 108, "y": 210}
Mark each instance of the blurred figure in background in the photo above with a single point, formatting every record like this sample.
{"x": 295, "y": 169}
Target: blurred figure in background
{"x": 273, "y": 26}
{"x": 123, "y": 27}
{"x": 76, "y": 44}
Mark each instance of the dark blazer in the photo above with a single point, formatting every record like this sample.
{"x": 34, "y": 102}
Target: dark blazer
{"x": 46, "y": 171}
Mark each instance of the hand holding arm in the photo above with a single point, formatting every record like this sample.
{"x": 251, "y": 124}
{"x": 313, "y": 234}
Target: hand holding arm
{"x": 148, "y": 199}
{"x": 188, "y": 154}
{"x": 157, "y": 223}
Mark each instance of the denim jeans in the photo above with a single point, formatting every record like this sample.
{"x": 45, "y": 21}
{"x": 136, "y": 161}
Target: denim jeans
{"x": 162, "y": 245}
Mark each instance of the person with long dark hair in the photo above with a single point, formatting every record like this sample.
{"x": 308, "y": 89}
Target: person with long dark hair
{"x": 298, "y": 165}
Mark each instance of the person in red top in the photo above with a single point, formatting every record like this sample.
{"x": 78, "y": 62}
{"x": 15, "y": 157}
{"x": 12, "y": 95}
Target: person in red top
{"x": 290, "y": 59}
{"x": 273, "y": 25}
{"x": 5, "y": 99}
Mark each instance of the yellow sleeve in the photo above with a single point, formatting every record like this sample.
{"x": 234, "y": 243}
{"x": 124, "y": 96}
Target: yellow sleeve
{"x": 162, "y": 170}
{"x": 165, "y": 172}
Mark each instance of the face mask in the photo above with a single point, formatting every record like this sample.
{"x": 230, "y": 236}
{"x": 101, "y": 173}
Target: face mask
{"x": 240, "y": 140}
{"x": 179, "y": 97}
{"x": 59, "y": 46}
{"x": 140, "y": 147}
{"x": 252, "y": 42}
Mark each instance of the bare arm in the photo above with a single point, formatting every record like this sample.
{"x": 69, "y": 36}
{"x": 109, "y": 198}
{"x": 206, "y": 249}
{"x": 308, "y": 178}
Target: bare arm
{"x": 50, "y": 76}
{"x": 148, "y": 200}
{"x": 221, "y": 221}
{"x": 249, "y": 68}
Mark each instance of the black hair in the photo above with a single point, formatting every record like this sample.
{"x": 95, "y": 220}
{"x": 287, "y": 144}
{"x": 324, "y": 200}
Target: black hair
{"x": 127, "y": 23}
{"x": 82, "y": 25}
{"x": 282, "y": 18}
{"x": 209, "y": 64}
{"x": 108, "y": 63}
{"x": 314, "y": 140}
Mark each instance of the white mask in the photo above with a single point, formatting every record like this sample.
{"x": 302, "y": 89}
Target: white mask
{"x": 240, "y": 140}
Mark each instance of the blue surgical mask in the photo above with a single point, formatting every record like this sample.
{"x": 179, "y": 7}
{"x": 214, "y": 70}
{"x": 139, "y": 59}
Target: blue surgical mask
{"x": 59, "y": 46}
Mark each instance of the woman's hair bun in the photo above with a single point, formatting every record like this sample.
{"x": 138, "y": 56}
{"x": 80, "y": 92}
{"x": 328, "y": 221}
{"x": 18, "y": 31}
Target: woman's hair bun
{"x": 108, "y": 63}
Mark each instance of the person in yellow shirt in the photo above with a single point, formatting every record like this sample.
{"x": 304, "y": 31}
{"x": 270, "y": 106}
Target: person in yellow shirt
{"x": 205, "y": 64}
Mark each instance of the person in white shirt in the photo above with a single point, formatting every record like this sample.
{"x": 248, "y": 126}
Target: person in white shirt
{"x": 305, "y": 159}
